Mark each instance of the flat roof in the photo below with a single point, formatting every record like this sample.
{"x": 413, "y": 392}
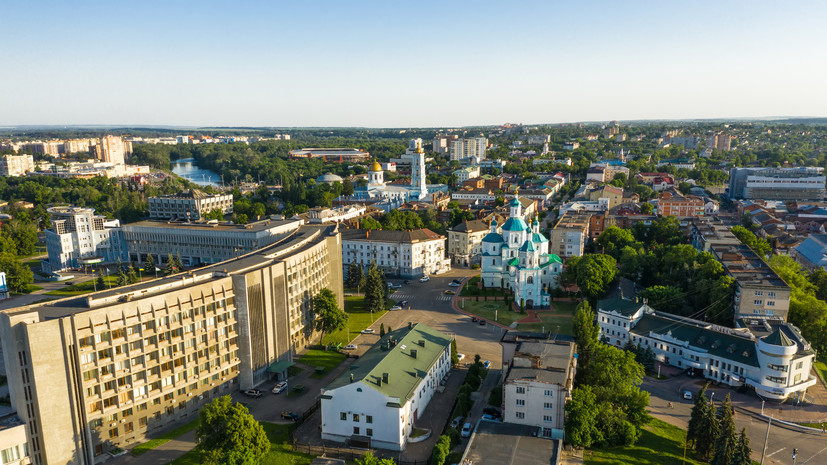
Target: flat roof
{"x": 496, "y": 443}
{"x": 255, "y": 227}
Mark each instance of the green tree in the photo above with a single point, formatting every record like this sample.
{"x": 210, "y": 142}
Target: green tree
{"x": 586, "y": 330}
{"x": 381, "y": 329}
{"x": 613, "y": 239}
{"x": 758, "y": 245}
{"x": 581, "y": 418}
{"x": 441, "y": 450}
{"x": 355, "y": 276}
{"x": 707, "y": 433}
{"x": 695, "y": 431}
{"x": 347, "y": 187}
{"x": 241, "y": 218}
{"x": 214, "y": 214}
{"x": 743, "y": 453}
{"x": 593, "y": 273}
{"x": 24, "y": 234}
{"x": 819, "y": 279}
{"x": 669, "y": 299}
{"x": 100, "y": 282}
{"x": 369, "y": 223}
{"x": 454, "y": 353}
{"x": 170, "y": 267}
{"x": 727, "y": 439}
{"x": 684, "y": 187}
{"x": 646, "y": 208}
{"x": 329, "y": 317}
{"x": 374, "y": 294}
{"x": 370, "y": 459}
{"x": 149, "y": 264}
{"x": 18, "y": 275}
{"x": 228, "y": 434}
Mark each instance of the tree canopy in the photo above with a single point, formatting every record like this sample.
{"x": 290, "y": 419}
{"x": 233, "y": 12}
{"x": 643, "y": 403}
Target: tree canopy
{"x": 329, "y": 317}
{"x": 228, "y": 434}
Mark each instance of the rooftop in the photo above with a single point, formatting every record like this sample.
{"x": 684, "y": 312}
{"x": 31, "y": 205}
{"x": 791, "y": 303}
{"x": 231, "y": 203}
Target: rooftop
{"x": 471, "y": 226}
{"x": 222, "y": 226}
{"x": 393, "y": 356}
{"x": 496, "y": 443}
{"x": 381, "y": 235}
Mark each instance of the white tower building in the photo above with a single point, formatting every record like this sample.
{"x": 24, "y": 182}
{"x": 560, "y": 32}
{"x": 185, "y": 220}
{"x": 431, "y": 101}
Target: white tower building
{"x": 418, "y": 178}
{"x": 376, "y": 176}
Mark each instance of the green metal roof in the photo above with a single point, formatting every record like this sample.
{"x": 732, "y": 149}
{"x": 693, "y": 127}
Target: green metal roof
{"x": 515, "y": 224}
{"x": 514, "y": 262}
{"x": 778, "y": 338}
{"x": 539, "y": 238}
{"x": 279, "y": 367}
{"x": 553, "y": 258}
{"x": 527, "y": 246}
{"x": 493, "y": 237}
{"x": 404, "y": 371}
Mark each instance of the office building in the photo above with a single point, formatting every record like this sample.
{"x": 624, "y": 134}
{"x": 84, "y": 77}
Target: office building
{"x": 79, "y": 238}
{"x": 570, "y": 234}
{"x": 190, "y": 204}
{"x": 407, "y": 254}
{"x": 777, "y": 183}
{"x": 339, "y": 155}
{"x": 16, "y": 165}
{"x": 766, "y": 354}
{"x": 518, "y": 258}
{"x": 93, "y": 373}
{"x": 467, "y": 173}
{"x": 539, "y": 380}
{"x": 199, "y": 243}
{"x": 377, "y": 402}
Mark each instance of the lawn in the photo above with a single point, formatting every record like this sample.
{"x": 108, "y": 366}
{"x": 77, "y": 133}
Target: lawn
{"x": 281, "y": 453}
{"x": 557, "y": 321}
{"x": 322, "y": 358}
{"x": 821, "y": 368}
{"x": 166, "y": 437}
{"x": 470, "y": 289}
{"x": 31, "y": 288}
{"x": 660, "y": 444}
{"x": 358, "y": 320}
{"x": 83, "y": 288}
{"x": 491, "y": 309}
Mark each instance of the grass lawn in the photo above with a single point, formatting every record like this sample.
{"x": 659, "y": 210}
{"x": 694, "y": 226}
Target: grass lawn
{"x": 31, "y": 288}
{"x": 660, "y": 444}
{"x": 168, "y": 436}
{"x": 83, "y": 288}
{"x": 821, "y": 367}
{"x": 490, "y": 309}
{"x": 358, "y": 320}
{"x": 322, "y": 358}
{"x": 281, "y": 453}
{"x": 470, "y": 289}
{"x": 561, "y": 317}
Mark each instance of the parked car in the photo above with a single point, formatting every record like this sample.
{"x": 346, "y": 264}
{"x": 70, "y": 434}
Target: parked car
{"x": 350, "y": 347}
{"x": 466, "y": 430}
{"x": 456, "y": 422}
{"x": 396, "y": 307}
{"x": 492, "y": 411}
{"x": 454, "y": 284}
{"x": 486, "y": 364}
{"x": 403, "y": 303}
{"x": 460, "y": 357}
{"x": 292, "y": 416}
{"x": 474, "y": 319}
{"x": 482, "y": 322}
{"x": 253, "y": 393}
{"x": 424, "y": 279}
{"x": 394, "y": 286}
{"x": 457, "y": 280}
{"x": 489, "y": 417}
{"x": 280, "y": 387}
{"x": 368, "y": 331}
{"x": 406, "y": 282}
{"x": 450, "y": 292}
{"x": 687, "y": 395}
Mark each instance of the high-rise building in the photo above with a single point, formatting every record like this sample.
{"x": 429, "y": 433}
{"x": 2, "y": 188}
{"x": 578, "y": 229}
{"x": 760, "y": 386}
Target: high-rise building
{"x": 93, "y": 373}
{"x": 441, "y": 144}
{"x": 466, "y": 148}
{"x": 79, "y": 238}
{"x": 800, "y": 183}
{"x": 112, "y": 149}
{"x": 569, "y": 236}
{"x": 16, "y": 165}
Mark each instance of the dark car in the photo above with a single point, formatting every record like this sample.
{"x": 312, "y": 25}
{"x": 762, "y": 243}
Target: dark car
{"x": 292, "y": 416}
{"x": 458, "y": 281}
{"x": 474, "y": 319}
{"x": 482, "y": 322}
{"x": 492, "y": 411}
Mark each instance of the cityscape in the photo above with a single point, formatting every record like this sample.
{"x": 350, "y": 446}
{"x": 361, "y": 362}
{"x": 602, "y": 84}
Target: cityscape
{"x": 319, "y": 237}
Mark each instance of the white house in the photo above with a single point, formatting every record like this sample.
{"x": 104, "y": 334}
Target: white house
{"x": 407, "y": 254}
{"x": 379, "y": 399}
{"x": 764, "y": 353}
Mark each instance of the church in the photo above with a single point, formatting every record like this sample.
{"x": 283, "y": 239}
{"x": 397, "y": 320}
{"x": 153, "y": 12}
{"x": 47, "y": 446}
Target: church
{"x": 516, "y": 257}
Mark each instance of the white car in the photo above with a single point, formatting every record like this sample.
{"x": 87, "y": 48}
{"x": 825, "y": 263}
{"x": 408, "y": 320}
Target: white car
{"x": 350, "y": 347}
{"x": 368, "y": 331}
{"x": 396, "y": 307}
{"x": 454, "y": 284}
{"x": 394, "y": 286}
{"x": 280, "y": 387}
{"x": 460, "y": 357}
{"x": 687, "y": 395}
{"x": 466, "y": 430}
{"x": 424, "y": 279}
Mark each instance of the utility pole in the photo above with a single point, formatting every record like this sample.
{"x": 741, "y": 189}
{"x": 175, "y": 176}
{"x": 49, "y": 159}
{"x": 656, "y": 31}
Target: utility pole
{"x": 766, "y": 438}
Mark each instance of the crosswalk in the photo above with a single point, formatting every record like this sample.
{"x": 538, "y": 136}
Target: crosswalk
{"x": 445, "y": 297}
{"x": 399, "y": 297}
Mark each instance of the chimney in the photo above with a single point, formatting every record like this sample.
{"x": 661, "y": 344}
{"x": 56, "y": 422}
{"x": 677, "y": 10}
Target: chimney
{"x": 413, "y": 353}
{"x": 385, "y": 378}
{"x": 422, "y": 342}
{"x": 410, "y": 325}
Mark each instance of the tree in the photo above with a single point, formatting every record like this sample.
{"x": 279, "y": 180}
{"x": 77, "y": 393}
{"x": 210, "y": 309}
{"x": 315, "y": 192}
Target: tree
{"x": 646, "y": 208}
{"x": 24, "y": 234}
{"x": 369, "y": 223}
{"x": 347, "y": 187}
{"x": 149, "y": 264}
{"x": 374, "y": 294}
{"x": 758, "y": 245}
{"x": 355, "y": 276}
{"x": 381, "y": 329}
{"x": 581, "y": 418}
{"x": 669, "y": 299}
{"x": 441, "y": 450}
{"x": 370, "y": 459}
{"x": 593, "y": 273}
{"x": 726, "y": 441}
{"x": 742, "y": 454}
{"x": 18, "y": 275}
{"x": 694, "y": 432}
{"x": 228, "y": 434}
{"x": 170, "y": 267}
{"x": 100, "y": 282}
{"x": 684, "y": 187}
{"x": 454, "y": 353}
{"x": 586, "y": 330}
{"x": 214, "y": 214}
{"x": 178, "y": 264}
{"x": 647, "y": 359}
{"x": 613, "y": 239}
{"x": 707, "y": 431}
{"x": 241, "y": 218}
{"x": 819, "y": 279}
{"x": 329, "y": 317}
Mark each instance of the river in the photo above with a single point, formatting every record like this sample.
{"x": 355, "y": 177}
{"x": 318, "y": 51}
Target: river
{"x": 186, "y": 168}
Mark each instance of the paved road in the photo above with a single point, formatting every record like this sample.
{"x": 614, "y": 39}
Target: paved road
{"x": 812, "y": 446}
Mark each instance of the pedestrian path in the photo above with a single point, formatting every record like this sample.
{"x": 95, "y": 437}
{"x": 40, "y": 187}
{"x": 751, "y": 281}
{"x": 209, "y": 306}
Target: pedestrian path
{"x": 445, "y": 298}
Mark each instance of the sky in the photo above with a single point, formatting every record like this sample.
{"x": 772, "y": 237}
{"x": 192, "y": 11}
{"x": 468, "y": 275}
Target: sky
{"x": 407, "y": 64}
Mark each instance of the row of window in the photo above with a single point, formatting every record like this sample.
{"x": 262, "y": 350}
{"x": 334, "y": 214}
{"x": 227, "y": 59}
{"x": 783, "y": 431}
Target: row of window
{"x": 546, "y": 418}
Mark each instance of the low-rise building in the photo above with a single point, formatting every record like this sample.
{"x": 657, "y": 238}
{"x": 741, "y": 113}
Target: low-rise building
{"x": 539, "y": 380}
{"x": 407, "y": 254}
{"x": 200, "y": 243}
{"x": 673, "y": 203}
{"x": 570, "y": 234}
{"x": 469, "y": 172}
{"x": 320, "y": 215}
{"x": 812, "y": 252}
{"x": 465, "y": 242}
{"x": 80, "y": 238}
{"x": 764, "y": 353}
{"x": 331, "y": 154}
{"x": 14, "y": 444}
{"x": 704, "y": 233}
{"x": 190, "y": 204}
{"x": 377, "y": 402}
{"x": 614, "y": 194}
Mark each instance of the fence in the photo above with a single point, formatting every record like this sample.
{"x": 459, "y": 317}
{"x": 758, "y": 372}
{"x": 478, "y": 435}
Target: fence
{"x": 351, "y": 454}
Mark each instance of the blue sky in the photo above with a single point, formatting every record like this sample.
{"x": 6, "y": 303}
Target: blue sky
{"x": 402, "y": 64}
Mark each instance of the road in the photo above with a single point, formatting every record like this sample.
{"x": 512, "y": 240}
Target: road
{"x": 812, "y": 446}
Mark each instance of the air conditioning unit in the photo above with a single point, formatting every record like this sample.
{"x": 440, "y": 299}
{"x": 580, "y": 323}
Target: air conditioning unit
{"x": 113, "y": 424}
{"x": 189, "y": 395}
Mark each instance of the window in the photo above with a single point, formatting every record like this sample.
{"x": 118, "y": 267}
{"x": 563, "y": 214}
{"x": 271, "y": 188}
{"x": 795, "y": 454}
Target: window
{"x": 355, "y": 430}
{"x": 356, "y": 417}
{"x": 547, "y": 405}
{"x": 520, "y": 402}
{"x": 759, "y": 293}
{"x": 758, "y": 302}
{"x": 11, "y": 454}
{"x": 549, "y": 393}
{"x": 343, "y": 416}
{"x": 369, "y": 418}
{"x": 113, "y": 433}
{"x": 770, "y": 303}
{"x": 520, "y": 415}
{"x": 548, "y": 418}
{"x": 369, "y": 431}
{"x": 520, "y": 390}
{"x": 771, "y": 294}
